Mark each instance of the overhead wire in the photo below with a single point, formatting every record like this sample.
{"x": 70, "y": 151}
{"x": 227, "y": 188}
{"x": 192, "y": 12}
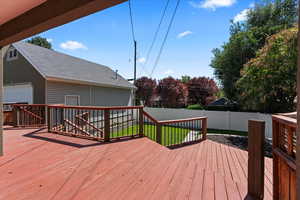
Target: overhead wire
{"x": 156, "y": 32}
{"x": 165, "y": 38}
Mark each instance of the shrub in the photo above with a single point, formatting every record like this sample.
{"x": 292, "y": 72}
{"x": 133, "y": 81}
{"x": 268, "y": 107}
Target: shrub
{"x": 195, "y": 107}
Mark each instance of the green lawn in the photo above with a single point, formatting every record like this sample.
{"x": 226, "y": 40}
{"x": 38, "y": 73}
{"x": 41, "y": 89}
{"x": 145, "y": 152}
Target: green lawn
{"x": 228, "y": 132}
{"x": 170, "y": 135}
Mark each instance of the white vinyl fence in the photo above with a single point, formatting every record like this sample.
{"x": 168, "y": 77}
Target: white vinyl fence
{"x": 224, "y": 120}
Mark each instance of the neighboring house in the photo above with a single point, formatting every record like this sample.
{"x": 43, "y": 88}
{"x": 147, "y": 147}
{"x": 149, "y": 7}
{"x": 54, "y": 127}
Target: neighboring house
{"x": 41, "y": 76}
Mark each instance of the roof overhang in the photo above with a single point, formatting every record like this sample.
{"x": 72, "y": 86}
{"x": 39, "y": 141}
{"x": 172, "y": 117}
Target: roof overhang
{"x": 20, "y": 19}
{"x": 80, "y": 82}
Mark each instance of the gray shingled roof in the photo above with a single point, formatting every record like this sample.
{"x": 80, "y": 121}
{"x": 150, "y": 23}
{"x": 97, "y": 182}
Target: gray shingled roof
{"x": 54, "y": 65}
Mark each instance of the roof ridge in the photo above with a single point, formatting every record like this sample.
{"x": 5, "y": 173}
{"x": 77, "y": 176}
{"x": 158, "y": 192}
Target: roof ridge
{"x": 62, "y": 53}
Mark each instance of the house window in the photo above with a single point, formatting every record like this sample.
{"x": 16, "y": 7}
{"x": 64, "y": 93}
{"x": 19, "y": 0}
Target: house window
{"x": 12, "y": 54}
{"x": 72, "y": 100}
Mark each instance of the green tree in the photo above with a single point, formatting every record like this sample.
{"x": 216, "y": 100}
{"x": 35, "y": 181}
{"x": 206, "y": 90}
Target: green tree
{"x": 185, "y": 79}
{"x": 40, "y": 41}
{"x": 246, "y": 38}
{"x": 268, "y": 81}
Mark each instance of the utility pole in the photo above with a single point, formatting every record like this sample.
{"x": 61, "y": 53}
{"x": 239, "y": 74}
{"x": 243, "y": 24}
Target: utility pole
{"x": 134, "y": 73}
{"x": 134, "y": 76}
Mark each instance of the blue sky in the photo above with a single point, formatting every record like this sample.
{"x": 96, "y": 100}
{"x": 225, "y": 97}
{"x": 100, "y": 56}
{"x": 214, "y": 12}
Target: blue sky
{"x": 105, "y": 37}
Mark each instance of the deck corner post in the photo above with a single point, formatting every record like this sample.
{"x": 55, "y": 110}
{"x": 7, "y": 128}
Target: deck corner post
{"x": 204, "y": 128}
{"x": 49, "y": 119}
{"x": 141, "y": 122}
{"x": 256, "y": 162}
{"x": 106, "y": 125}
{"x": 158, "y": 133}
{"x": 1, "y": 101}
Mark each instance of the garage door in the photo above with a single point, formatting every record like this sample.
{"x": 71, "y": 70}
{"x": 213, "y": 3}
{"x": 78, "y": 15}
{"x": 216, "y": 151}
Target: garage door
{"x": 18, "y": 93}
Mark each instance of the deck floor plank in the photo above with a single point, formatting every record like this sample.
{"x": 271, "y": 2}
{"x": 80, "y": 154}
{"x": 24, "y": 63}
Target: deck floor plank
{"x": 40, "y": 165}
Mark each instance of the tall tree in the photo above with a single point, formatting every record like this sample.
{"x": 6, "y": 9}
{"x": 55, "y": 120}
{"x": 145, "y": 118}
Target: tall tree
{"x": 202, "y": 90}
{"x": 40, "y": 41}
{"x": 268, "y": 81}
{"x": 173, "y": 93}
{"x": 248, "y": 37}
{"x": 145, "y": 89}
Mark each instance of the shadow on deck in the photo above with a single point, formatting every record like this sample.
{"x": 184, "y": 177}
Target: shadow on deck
{"x": 41, "y": 165}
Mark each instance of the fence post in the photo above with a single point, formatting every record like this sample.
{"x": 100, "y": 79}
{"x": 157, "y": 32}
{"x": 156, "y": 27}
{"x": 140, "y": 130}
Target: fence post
{"x": 141, "y": 122}
{"x": 158, "y": 133}
{"x": 256, "y": 162}
{"x": 106, "y": 125}
{"x": 49, "y": 119}
{"x": 204, "y": 128}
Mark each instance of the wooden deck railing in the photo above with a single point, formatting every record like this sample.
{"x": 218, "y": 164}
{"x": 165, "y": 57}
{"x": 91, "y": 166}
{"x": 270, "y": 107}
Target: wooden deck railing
{"x": 100, "y": 123}
{"x": 284, "y": 156}
{"x": 174, "y": 133}
{"x": 25, "y": 115}
{"x": 111, "y": 123}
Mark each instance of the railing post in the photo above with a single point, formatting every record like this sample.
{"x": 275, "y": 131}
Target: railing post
{"x": 256, "y": 162}
{"x": 106, "y": 125}
{"x": 204, "y": 128}
{"x": 49, "y": 119}
{"x": 158, "y": 133}
{"x": 141, "y": 122}
{"x": 17, "y": 116}
{"x": 275, "y": 129}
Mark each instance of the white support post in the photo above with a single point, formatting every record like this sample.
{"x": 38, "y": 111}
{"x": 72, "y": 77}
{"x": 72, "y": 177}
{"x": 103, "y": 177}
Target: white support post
{"x": 1, "y": 101}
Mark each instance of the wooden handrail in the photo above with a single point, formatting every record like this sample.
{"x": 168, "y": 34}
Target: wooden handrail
{"x": 181, "y": 120}
{"x": 31, "y": 105}
{"x": 285, "y": 120}
{"x": 96, "y": 107}
{"x": 150, "y": 117}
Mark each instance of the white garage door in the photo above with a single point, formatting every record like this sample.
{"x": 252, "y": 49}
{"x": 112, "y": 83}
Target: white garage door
{"x": 18, "y": 93}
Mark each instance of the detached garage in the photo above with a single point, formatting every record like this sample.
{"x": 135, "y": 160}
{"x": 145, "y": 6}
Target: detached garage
{"x": 18, "y": 93}
{"x": 38, "y": 75}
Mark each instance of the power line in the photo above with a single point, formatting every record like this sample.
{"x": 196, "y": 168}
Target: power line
{"x": 165, "y": 38}
{"x": 156, "y": 32}
{"x": 131, "y": 20}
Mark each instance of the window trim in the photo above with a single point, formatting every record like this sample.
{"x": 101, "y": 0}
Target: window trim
{"x": 78, "y": 97}
{"x": 12, "y": 54}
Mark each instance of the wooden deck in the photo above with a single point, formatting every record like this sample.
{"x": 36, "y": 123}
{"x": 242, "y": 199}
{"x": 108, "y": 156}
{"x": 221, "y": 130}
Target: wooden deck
{"x": 39, "y": 165}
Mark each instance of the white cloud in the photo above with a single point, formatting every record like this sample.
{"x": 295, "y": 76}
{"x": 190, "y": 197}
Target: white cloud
{"x": 212, "y": 4}
{"x": 242, "y": 16}
{"x": 141, "y": 60}
{"x": 169, "y": 72}
{"x": 72, "y": 45}
{"x": 183, "y": 34}
{"x": 49, "y": 40}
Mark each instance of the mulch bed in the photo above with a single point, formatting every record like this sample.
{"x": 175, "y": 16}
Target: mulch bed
{"x": 239, "y": 142}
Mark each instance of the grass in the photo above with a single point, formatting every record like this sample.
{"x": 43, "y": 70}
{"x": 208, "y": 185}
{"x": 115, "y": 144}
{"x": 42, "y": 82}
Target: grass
{"x": 227, "y": 132}
{"x": 168, "y": 133}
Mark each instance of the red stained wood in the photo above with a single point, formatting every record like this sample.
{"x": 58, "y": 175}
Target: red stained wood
{"x": 42, "y": 165}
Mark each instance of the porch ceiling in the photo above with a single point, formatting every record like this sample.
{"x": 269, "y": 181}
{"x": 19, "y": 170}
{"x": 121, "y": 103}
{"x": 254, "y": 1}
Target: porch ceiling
{"x": 20, "y": 19}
